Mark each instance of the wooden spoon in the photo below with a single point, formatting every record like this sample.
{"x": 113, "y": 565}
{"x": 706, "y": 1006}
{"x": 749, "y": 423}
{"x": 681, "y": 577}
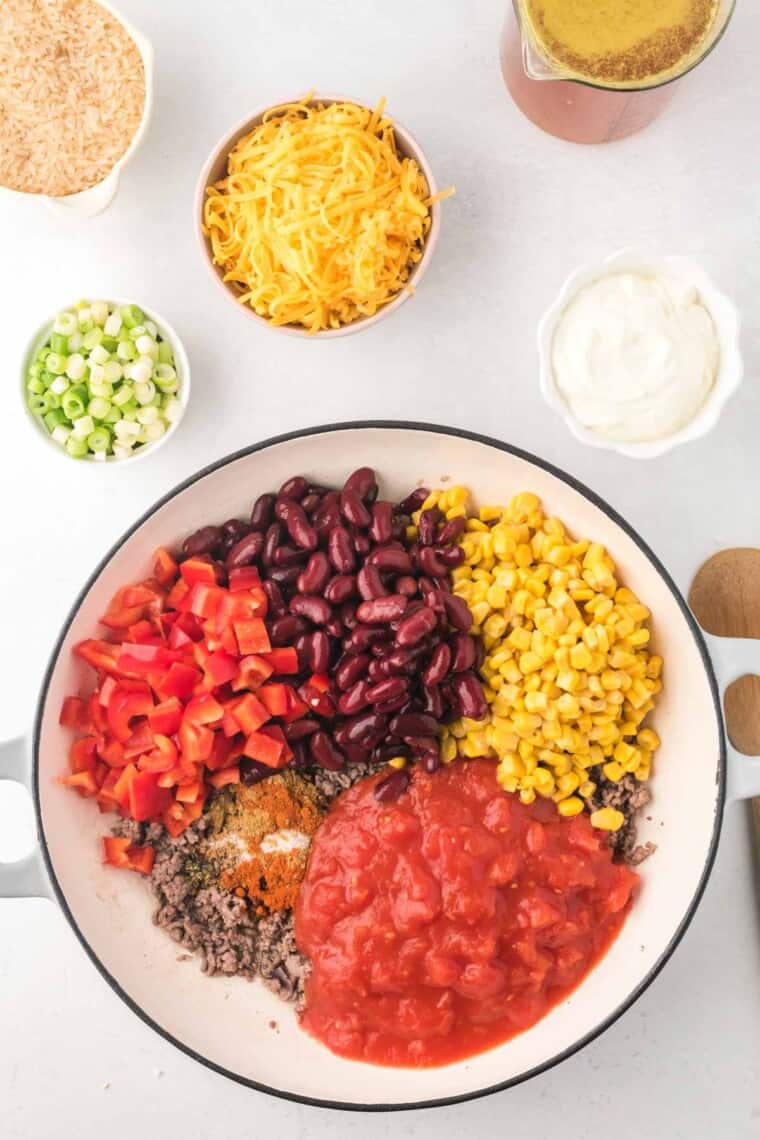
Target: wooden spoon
{"x": 725, "y": 598}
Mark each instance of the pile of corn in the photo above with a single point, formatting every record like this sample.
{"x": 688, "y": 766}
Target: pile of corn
{"x": 567, "y": 674}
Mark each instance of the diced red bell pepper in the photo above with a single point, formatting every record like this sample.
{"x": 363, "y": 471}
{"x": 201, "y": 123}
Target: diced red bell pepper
{"x": 204, "y": 709}
{"x": 141, "y": 659}
{"x": 97, "y": 711}
{"x": 275, "y": 697}
{"x": 124, "y": 705}
{"x": 225, "y": 749}
{"x": 177, "y": 595}
{"x": 141, "y": 859}
{"x": 252, "y": 636}
{"x": 122, "y": 785}
{"x": 147, "y": 593}
{"x": 144, "y": 633}
{"x": 83, "y": 754}
{"x": 112, "y": 752}
{"x": 115, "y": 850}
{"x": 252, "y": 672}
{"x": 221, "y": 667}
{"x": 225, "y": 776}
{"x": 203, "y": 600}
{"x": 189, "y": 793}
{"x": 195, "y": 741}
{"x": 296, "y": 707}
{"x": 106, "y": 797}
{"x": 146, "y": 799}
{"x": 100, "y": 654}
{"x": 140, "y": 741}
{"x": 75, "y": 714}
{"x": 244, "y": 578}
{"x": 250, "y": 713}
{"x": 268, "y": 746}
{"x": 317, "y": 699}
{"x": 162, "y": 758}
{"x": 198, "y": 569}
{"x": 283, "y": 660}
{"x": 83, "y": 782}
{"x": 180, "y": 681}
{"x": 165, "y": 567}
{"x": 166, "y": 716}
{"x": 120, "y": 613}
{"x": 107, "y": 690}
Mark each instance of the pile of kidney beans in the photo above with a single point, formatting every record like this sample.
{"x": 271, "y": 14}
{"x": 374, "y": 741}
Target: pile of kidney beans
{"x": 364, "y": 608}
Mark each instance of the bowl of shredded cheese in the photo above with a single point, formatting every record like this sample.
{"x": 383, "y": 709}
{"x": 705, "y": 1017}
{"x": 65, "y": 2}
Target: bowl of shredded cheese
{"x": 318, "y": 217}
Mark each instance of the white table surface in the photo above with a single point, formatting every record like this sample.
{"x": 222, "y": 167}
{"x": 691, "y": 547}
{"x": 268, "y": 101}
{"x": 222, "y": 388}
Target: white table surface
{"x": 685, "y": 1061}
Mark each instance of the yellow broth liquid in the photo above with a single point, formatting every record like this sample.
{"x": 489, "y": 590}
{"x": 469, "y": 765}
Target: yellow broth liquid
{"x": 619, "y": 42}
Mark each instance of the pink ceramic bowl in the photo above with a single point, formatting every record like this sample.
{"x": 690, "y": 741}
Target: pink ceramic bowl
{"x": 215, "y": 168}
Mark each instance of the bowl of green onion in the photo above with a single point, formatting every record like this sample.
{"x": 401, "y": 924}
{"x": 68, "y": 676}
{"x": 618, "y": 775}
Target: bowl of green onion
{"x": 106, "y": 381}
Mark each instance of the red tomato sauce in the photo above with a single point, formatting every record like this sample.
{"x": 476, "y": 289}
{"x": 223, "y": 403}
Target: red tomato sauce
{"x": 444, "y": 923}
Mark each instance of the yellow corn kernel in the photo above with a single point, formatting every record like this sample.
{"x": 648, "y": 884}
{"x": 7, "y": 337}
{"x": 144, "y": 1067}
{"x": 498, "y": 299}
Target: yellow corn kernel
{"x": 613, "y": 771}
{"x": 649, "y": 739}
{"x": 580, "y": 656}
{"x": 607, "y": 819}
{"x": 520, "y": 639}
{"x": 568, "y": 706}
{"x": 397, "y": 762}
{"x": 448, "y": 750}
{"x": 568, "y": 679}
{"x": 536, "y": 701}
{"x": 544, "y": 782}
{"x": 489, "y": 514}
{"x": 480, "y": 611}
{"x": 527, "y": 795}
{"x": 529, "y": 662}
{"x": 456, "y": 513}
{"x": 568, "y": 784}
{"x": 639, "y": 637}
{"x": 654, "y": 667}
{"x": 570, "y": 806}
{"x": 475, "y": 525}
{"x": 587, "y": 789}
{"x": 496, "y": 596}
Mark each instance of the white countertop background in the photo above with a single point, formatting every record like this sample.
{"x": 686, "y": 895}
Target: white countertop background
{"x": 685, "y": 1061}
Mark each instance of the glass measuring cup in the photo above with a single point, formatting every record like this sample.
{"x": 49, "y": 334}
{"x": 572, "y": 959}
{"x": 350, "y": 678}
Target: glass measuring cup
{"x": 578, "y": 109}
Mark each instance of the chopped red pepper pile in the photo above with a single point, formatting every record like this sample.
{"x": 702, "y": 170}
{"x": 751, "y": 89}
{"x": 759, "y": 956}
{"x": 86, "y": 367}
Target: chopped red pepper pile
{"x": 187, "y": 685}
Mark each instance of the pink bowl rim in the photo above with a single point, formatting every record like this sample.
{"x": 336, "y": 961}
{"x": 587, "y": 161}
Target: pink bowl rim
{"x": 407, "y": 143}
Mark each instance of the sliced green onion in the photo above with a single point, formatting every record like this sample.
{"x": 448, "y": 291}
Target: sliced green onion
{"x": 113, "y": 415}
{"x": 145, "y": 391}
{"x": 126, "y": 350}
{"x": 36, "y": 404}
{"x": 131, "y": 315}
{"x": 99, "y": 440}
{"x": 65, "y": 324}
{"x": 113, "y": 371}
{"x": 165, "y": 354}
{"x": 137, "y": 331}
{"x": 75, "y": 342}
{"x": 154, "y": 431}
{"x": 172, "y": 410}
{"x": 147, "y": 415}
{"x": 101, "y": 388}
{"x": 59, "y": 385}
{"x": 146, "y": 345}
{"x": 76, "y": 366}
{"x": 126, "y": 430}
{"x": 112, "y": 327}
{"x": 99, "y": 311}
{"x": 34, "y": 384}
{"x": 83, "y": 425}
{"x": 98, "y": 408}
{"x": 60, "y": 434}
{"x": 73, "y": 405}
{"x": 53, "y": 419}
{"x": 121, "y": 451}
{"x": 59, "y": 343}
{"x": 55, "y": 363}
{"x": 76, "y": 448}
{"x": 92, "y": 339}
{"x": 123, "y": 395}
{"x": 109, "y": 342}
{"x": 52, "y": 400}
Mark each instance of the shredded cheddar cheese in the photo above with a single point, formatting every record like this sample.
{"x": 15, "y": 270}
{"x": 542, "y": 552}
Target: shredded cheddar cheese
{"x": 320, "y": 220}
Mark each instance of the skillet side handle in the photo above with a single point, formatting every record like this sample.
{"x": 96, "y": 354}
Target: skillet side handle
{"x": 26, "y": 878}
{"x": 735, "y": 657}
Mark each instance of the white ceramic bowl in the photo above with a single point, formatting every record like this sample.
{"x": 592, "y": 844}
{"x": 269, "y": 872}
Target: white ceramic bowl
{"x": 97, "y": 198}
{"x": 182, "y": 394}
{"x": 725, "y": 317}
{"x": 226, "y": 1023}
{"x": 215, "y": 168}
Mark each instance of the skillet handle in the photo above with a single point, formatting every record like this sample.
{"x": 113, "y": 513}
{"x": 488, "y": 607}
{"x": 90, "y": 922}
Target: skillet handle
{"x": 26, "y": 878}
{"x": 734, "y": 657}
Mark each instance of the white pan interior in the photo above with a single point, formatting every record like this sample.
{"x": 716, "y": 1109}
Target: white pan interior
{"x": 229, "y": 1023}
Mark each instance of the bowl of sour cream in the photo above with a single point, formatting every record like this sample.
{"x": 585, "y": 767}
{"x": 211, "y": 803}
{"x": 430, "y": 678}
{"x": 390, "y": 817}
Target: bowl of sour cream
{"x": 639, "y": 353}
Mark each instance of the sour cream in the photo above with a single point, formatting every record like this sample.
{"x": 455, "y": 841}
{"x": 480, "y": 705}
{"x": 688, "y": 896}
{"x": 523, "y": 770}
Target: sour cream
{"x": 635, "y": 355}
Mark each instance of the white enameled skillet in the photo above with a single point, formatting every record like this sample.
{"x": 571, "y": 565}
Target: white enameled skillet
{"x": 110, "y": 912}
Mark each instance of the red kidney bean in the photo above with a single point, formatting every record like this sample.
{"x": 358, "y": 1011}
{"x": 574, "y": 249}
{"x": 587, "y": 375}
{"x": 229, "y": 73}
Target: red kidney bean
{"x": 354, "y": 699}
{"x": 201, "y": 541}
{"x": 261, "y": 515}
{"x": 450, "y": 556}
{"x": 353, "y": 509}
{"x": 451, "y": 531}
{"x": 363, "y": 483}
{"x": 435, "y": 599}
{"x": 339, "y": 589}
{"x": 413, "y": 724}
{"x": 285, "y": 576}
{"x": 281, "y": 509}
{"x": 235, "y": 528}
{"x": 362, "y": 543}
{"x": 310, "y": 502}
{"x": 301, "y": 754}
{"x": 431, "y": 761}
{"x": 381, "y": 527}
{"x": 334, "y": 626}
{"x": 316, "y": 574}
{"x": 462, "y": 652}
{"x": 413, "y": 628}
{"x": 294, "y": 488}
{"x": 392, "y": 559}
{"x": 388, "y": 690}
{"x": 289, "y": 556}
{"x": 319, "y": 652}
{"x": 245, "y": 550}
{"x": 300, "y": 729}
{"x": 299, "y": 527}
{"x": 340, "y": 550}
{"x": 391, "y": 787}
{"x": 404, "y": 660}
{"x": 348, "y": 615}
{"x": 252, "y": 771}
{"x": 272, "y": 540}
{"x": 413, "y": 501}
{"x": 438, "y": 665}
{"x": 422, "y": 744}
{"x": 430, "y": 564}
{"x": 406, "y": 585}
{"x": 390, "y": 747}
{"x": 370, "y": 584}
{"x": 428, "y": 525}
{"x": 433, "y": 701}
{"x": 392, "y": 705}
{"x": 312, "y": 607}
{"x": 224, "y": 546}
{"x": 399, "y": 528}
{"x": 320, "y": 703}
{"x": 284, "y": 630}
{"x": 350, "y": 670}
{"x": 382, "y": 609}
{"x": 378, "y": 667}
{"x": 366, "y": 730}
{"x": 363, "y": 637}
{"x": 480, "y": 654}
{"x": 469, "y": 693}
{"x": 458, "y": 612}
{"x": 277, "y": 606}
{"x": 326, "y": 754}
{"x": 302, "y": 645}
{"x": 327, "y": 514}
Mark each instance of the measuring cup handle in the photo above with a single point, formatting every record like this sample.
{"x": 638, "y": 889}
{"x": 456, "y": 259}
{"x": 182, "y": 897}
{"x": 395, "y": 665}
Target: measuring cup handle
{"x": 26, "y": 878}
{"x": 734, "y": 657}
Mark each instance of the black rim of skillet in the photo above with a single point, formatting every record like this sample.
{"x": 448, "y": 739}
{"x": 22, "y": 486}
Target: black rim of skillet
{"x": 606, "y": 1022}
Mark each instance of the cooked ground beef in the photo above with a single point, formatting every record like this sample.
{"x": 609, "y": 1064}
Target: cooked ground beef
{"x": 628, "y": 795}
